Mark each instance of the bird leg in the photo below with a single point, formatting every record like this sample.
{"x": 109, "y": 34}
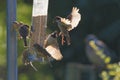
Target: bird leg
{"x": 62, "y": 41}
{"x": 62, "y": 35}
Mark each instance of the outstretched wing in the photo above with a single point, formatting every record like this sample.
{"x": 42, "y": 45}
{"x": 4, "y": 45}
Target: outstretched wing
{"x": 52, "y": 47}
{"x": 74, "y": 17}
{"x": 54, "y": 52}
{"x": 65, "y": 21}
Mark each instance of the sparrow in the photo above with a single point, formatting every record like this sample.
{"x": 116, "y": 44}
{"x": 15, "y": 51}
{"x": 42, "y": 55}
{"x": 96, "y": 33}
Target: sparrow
{"x": 23, "y": 31}
{"x": 98, "y": 52}
{"x": 67, "y": 24}
{"x": 52, "y": 47}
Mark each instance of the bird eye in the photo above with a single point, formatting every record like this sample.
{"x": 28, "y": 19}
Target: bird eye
{"x": 57, "y": 18}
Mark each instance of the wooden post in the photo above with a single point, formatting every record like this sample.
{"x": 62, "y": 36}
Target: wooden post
{"x": 11, "y": 41}
{"x": 39, "y": 16}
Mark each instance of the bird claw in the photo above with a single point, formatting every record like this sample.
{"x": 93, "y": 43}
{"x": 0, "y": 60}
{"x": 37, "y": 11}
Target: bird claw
{"x": 62, "y": 41}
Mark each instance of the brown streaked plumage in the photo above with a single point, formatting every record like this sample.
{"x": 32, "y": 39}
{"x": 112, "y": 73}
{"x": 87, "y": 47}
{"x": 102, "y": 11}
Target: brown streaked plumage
{"x": 67, "y": 24}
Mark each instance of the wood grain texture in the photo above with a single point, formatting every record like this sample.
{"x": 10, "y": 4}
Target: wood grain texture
{"x": 39, "y": 33}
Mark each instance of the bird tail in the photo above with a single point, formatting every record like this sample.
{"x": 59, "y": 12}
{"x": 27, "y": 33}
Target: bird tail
{"x": 33, "y": 66}
{"x": 49, "y": 61}
{"x": 25, "y": 41}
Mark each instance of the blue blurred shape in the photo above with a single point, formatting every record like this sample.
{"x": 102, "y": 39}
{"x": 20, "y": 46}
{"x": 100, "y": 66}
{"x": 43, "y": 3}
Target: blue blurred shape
{"x": 98, "y": 52}
{"x": 11, "y": 42}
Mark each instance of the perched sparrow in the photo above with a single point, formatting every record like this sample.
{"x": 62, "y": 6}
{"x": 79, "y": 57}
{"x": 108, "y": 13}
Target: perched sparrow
{"x": 23, "y": 30}
{"x": 52, "y": 47}
{"x": 97, "y": 52}
{"x": 28, "y": 58}
{"x": 67, "y": 24}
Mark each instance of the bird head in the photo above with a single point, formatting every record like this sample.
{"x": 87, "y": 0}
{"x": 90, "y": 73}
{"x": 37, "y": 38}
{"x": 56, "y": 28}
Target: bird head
{"x": 17, "y": 24}
{"x": 57, "y": 19}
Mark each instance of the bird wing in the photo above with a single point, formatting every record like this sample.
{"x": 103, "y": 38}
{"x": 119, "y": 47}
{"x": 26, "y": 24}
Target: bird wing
{"x": 66, "y": 23}
{"x": 93, "y": 58}
{"x": 74, "y": 17}
{"x": 46, "y": 41}
{"x": 107, "y": 51}
{"x": 54, "y": 52}
{"x": 101, "y": 45}
{"x": 52, "y": 47}
{"x": 24, "y": 30}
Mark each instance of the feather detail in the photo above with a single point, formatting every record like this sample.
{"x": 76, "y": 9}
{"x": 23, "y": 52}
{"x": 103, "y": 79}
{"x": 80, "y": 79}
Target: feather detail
{"x": 52, "y": 47}
{"x": 74, "y": 18}
{"x": 54, "y": 52}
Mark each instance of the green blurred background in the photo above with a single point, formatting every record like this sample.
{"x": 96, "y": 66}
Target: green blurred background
{"x": 99, "y": 17}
